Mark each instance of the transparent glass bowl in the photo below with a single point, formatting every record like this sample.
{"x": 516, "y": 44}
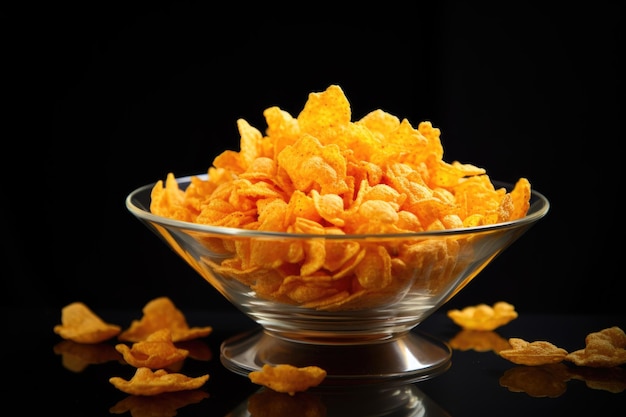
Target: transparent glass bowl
{"x": 367, "y": 336}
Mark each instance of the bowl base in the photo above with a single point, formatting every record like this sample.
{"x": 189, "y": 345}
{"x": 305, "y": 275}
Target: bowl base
{"x": 411, "y": 357}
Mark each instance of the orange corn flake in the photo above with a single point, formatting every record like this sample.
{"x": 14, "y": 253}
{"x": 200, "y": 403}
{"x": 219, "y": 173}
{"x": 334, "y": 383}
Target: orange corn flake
{"x": 156, "y": 351}
{"x": 146, "y": 382}
{"x": 80, "y": 324}
{"x": 532, "y": 353}
{"x": 483, "y": 316}
{"x": 161, "y": 313}
{"x": 288, "y": 378}
{"x": 603, "y": 349}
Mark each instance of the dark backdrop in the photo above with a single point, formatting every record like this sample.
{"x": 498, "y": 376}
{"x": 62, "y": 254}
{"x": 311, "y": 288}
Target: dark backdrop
{"x": 107, "y": 98}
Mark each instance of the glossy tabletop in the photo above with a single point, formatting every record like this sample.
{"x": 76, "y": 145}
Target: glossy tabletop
{"x": 73, "y": 380}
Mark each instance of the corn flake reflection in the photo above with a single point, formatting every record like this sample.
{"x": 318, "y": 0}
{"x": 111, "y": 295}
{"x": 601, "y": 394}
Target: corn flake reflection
{"x": 606, "y": 379}
{"x": 76, "y": 357}
{"x": 479, "y": 340}
{"x": 268, "y": 403}
{"x": 537, "y": 381}
{"x": 551, "y": 380}
{"x": 198, "y": 349}
{"x": 162, "y": 405}
{"x": 380, "y": 400}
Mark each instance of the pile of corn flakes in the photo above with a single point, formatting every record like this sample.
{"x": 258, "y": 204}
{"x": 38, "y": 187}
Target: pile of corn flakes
{"x": 322, "y": 173}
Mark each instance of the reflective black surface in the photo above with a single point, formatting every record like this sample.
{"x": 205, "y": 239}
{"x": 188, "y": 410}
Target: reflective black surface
{"x": 122, "y": 94}
{"x": 478, "y": 382}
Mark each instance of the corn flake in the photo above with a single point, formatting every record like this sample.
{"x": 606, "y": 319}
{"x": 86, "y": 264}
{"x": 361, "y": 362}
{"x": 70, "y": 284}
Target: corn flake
{"x": 161, "y": 313}
{"x": 603, "y": 349}
{"x": 80, "y": 324}
{"x": 157, "y": 351}
{"x": 146, "y": 382}
{"x": 287, "y": 378}
{"x": 532, "y": 353}
{"x": 483, "y": 316}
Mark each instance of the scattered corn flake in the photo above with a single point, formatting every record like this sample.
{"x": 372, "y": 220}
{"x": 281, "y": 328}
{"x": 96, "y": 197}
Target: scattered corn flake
{"x": 161, "y": 313}
{"x": 288, "y": 378}
{"x": 80, "y": 324}
{"x": 483, "y": 316}
{"x": 146, "y": 382}
{"x": 603, "y": 349}
{"x": 157, "y": 351}
{"x": 532, "y": 353}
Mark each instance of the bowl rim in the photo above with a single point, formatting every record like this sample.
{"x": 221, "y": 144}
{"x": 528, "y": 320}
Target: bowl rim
{"x": 539, "y": 207}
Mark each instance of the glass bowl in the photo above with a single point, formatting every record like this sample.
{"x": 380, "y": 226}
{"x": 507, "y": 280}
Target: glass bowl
{"x": 357, "y": 336}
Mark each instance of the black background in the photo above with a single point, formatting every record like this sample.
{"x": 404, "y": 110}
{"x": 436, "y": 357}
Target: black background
{"x": 106, "y": 98}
